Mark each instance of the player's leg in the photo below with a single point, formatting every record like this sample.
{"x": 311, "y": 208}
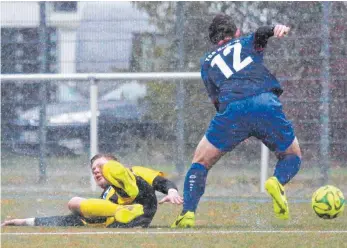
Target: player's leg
{"x": 225, "y": 132}
{"x": 68, "y": 220}
{"x": 286, "y": 168}
{"x": 90, "y": 208}
{"x": 140, "y": 221}
{"x": 74, "y": 204}
{"x": 205, "y": 156}
{"x": 150, "y": 205}
{"x": 277, "y": 133}
{"x": 288, "y": 163}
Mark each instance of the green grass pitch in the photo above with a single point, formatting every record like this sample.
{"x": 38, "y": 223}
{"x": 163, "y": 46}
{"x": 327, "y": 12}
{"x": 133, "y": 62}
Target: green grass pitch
{"x": 220, "y": 223}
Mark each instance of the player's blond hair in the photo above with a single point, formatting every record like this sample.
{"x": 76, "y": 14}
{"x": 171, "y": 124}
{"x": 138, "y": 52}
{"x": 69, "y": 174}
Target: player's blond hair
{"x": 103, "y": 155}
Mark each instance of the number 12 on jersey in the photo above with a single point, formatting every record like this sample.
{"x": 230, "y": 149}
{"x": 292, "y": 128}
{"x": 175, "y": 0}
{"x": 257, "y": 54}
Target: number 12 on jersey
{"x": 237, "y": 63}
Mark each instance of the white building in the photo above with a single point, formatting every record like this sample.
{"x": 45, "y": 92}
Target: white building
{"x": 64, "y": 17}
{"x": 106, "y": 36}
{"x": 88, "y": 37}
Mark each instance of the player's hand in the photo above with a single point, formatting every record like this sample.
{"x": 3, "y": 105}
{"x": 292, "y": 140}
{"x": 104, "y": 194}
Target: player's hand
{"x": 281, "y": 30}
{"x": 172, "y": 197}
{"x": 14, "y": 222}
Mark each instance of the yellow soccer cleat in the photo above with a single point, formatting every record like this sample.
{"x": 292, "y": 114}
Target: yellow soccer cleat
{"x": 185, "y": 221}
{"x": 276, "y": 191}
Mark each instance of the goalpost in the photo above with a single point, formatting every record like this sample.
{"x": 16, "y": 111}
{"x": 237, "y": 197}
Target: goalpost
{"x": 93, "y": 79}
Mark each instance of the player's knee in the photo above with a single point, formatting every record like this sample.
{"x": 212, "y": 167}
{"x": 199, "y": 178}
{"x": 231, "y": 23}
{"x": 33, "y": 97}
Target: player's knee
{"x": 293, "y": 149}
{"x": 203, "y": 162}
{"x": 74, "y": 204}
{"x": 296, "y": 151}
{"x": 206, "y": 159}
{"x": 206, "y": 154}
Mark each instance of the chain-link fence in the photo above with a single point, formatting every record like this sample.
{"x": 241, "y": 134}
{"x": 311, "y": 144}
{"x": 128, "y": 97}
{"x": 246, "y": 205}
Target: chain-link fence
{"x": 140, "y": 120}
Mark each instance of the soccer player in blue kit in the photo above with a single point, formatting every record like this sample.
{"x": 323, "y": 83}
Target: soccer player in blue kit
{"x": 245, "y": 95}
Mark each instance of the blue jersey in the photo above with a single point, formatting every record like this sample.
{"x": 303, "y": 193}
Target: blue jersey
{"x": 235, "y": 71}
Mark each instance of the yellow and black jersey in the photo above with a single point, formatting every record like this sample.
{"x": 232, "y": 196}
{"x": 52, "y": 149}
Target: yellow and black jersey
{"x": 124, "y": 181}
{"x": 135, "y": 185}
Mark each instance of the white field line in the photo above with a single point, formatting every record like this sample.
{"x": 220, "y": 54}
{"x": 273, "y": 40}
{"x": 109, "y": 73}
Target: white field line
{"x": 174, "y": 232}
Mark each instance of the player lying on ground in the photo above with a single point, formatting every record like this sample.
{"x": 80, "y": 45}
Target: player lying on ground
{"x": 245, "y": 95}
{"x": 128, "y": 199}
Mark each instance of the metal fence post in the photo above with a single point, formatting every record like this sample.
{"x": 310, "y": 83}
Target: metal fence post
{"x": 265, "y": 153}
{"x": 43, "y": 93}
{"x": 180, "y": 92}
{"x": 325, "y": 95}
{"x": 93, "y": 124}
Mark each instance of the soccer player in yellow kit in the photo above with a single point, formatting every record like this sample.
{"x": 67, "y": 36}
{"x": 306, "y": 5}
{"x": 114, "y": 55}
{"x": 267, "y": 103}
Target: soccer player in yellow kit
{"x": 128, "y": 199}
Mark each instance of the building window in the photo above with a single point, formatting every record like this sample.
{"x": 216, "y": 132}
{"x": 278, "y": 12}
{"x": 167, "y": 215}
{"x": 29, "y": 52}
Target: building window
{"x": 67, "y": 6}
{"x": 21, "y": 48}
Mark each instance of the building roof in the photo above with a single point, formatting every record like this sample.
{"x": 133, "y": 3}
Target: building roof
{"x": 104, "y": 38}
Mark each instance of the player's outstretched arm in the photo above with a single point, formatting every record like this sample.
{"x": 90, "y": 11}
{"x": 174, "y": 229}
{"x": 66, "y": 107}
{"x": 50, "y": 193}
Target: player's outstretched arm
{"x": 64, "y": 220}
{"x": 172, "y": 197}
{"x": 19, "y": 222}
{"x": 168, "y": 187}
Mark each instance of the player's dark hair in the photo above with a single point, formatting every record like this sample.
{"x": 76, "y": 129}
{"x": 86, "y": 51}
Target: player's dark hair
{"x": 103, "y": 155}
{"x": 222, "y": 26}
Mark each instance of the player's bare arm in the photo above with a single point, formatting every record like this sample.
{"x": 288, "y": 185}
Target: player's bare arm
{"x": 172, "y": 197}
{"x": 19, "y": 222}
{"x": 169, "y": 188}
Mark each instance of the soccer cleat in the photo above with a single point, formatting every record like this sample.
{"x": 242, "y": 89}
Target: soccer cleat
{"x": 185, "y": 221}
{"x": 280, "y": 204}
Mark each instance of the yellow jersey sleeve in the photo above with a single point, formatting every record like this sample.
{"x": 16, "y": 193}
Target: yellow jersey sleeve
{"x": 121, "y": 177}
{"x": 147, "y": 174}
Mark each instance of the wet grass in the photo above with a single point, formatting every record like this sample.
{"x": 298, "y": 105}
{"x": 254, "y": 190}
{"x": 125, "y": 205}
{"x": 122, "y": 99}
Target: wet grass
{"x": 232, "y": 202}
{"x": 178, "y": 240}
{"x": 215, "y": 222}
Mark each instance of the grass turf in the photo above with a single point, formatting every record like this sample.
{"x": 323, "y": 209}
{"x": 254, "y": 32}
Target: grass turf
{"x": 216, "y": 219}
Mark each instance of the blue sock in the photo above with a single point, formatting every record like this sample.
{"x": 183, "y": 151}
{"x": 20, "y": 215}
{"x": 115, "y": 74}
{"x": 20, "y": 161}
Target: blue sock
{"x": 194, "y": 186}
{"x": 286, "y": 168}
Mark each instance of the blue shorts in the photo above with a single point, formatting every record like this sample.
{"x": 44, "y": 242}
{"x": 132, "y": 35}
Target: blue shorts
{"x": 260, "y": 116}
